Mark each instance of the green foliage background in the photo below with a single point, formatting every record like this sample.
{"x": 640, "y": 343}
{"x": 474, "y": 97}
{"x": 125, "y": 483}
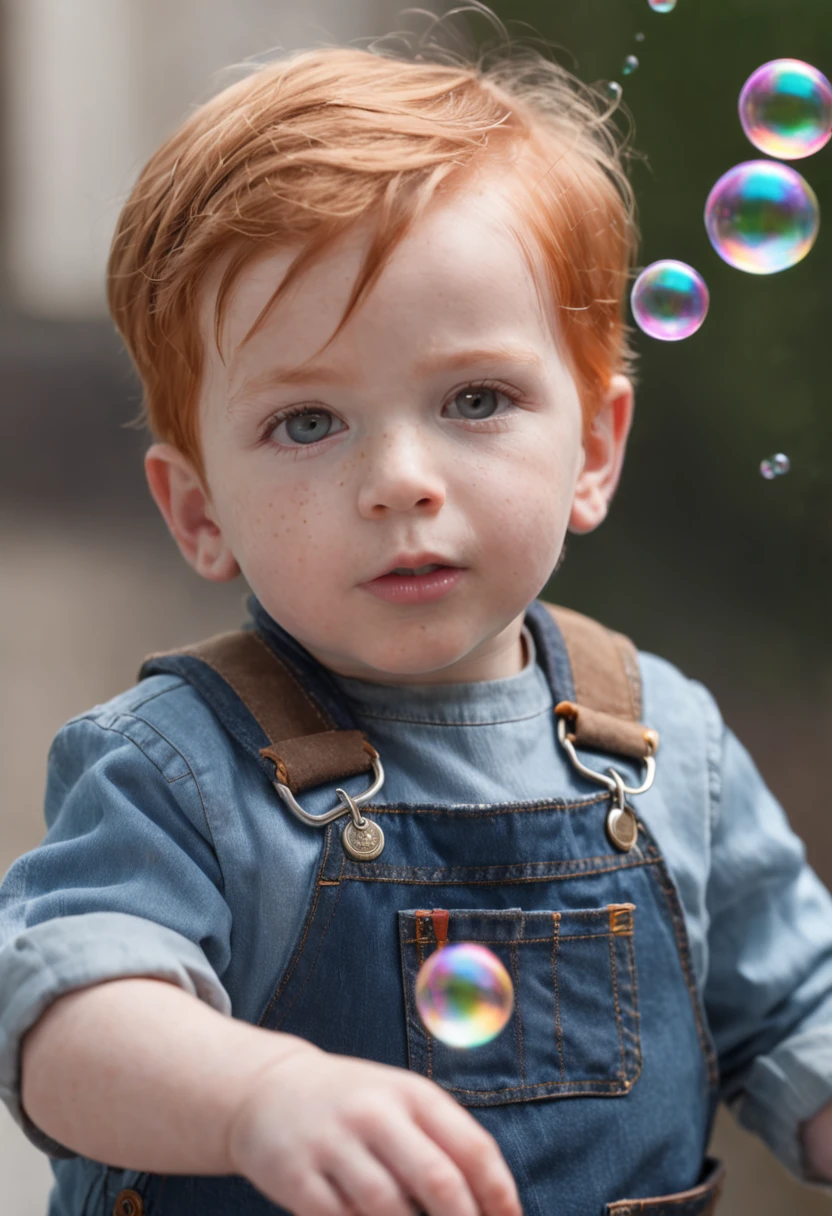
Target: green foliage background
{"x": 701, "y": 559}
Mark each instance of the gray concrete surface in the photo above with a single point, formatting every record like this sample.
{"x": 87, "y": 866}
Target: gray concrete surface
{"x": 80, "y": 605}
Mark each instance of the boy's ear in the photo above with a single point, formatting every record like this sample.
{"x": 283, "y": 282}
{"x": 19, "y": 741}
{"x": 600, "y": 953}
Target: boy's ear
{"x": 188, "y": 513}
{"x": 604, "y": 443}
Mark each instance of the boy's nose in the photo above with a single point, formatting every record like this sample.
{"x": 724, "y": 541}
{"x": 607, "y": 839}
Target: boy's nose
{"x": 399, "y": 475}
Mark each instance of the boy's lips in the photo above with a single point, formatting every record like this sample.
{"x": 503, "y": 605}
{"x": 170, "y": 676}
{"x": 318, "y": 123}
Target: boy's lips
{"x": 414, "y": 561}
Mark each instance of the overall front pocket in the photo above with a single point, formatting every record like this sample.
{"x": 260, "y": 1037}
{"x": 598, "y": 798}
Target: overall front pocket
{"x": 574, "y": 1030}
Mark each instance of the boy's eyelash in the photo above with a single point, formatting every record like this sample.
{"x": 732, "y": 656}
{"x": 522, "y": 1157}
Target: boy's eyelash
{"x": 295, "y": 411}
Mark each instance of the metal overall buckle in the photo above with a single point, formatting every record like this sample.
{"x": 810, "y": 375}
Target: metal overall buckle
{"x": 362, "y": 838}
{"x": 621, "y": 825}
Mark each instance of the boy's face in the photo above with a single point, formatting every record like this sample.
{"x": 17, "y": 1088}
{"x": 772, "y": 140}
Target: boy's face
{"x": 444, "y": 419}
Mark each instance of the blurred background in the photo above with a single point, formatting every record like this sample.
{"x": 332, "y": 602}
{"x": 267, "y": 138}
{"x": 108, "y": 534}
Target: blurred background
{"x": 701, "y": 560}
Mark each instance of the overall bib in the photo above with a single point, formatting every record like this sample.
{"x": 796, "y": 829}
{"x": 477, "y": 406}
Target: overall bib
{"x": 602, "y": 1088}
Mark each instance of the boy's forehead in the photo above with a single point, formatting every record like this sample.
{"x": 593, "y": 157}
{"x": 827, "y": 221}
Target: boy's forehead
{"x": 460, "y": 264}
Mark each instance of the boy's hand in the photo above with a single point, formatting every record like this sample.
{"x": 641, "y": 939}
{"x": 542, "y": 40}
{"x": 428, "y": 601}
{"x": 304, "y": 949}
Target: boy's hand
{"x": 817, "y": 1143}
{"x": 328, "y": 1135}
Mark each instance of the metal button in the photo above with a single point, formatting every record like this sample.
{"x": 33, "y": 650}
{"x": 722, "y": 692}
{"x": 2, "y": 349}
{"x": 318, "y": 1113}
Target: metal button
{"x": 622, "y": 827}
{"x": 129, "y": 1203}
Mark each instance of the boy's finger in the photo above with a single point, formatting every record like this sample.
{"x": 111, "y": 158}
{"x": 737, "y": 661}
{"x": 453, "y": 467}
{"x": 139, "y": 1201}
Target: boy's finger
{"x": 313, "y": 1195}
{"x": 425, "y": 1173}
{"x": 476, "y": 1153}
{"x": 367, "y": 1185}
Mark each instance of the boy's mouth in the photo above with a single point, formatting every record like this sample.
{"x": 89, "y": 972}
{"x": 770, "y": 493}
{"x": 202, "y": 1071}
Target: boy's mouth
{"x": 413, "y": 565}
{"x": 418, "y": 569}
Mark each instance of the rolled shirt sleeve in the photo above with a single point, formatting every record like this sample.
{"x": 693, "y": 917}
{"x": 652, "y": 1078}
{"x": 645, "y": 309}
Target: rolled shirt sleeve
{"x": 768, "y": 993}
{"x": 125, "y": 883}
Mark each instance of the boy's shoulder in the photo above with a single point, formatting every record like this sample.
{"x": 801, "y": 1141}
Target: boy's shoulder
{"x": 683, "y": 711}
{"x": 164, "y": 715}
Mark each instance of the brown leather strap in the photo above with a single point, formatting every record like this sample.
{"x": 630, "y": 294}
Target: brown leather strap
{"x": 306, "y": 748}
{"x": 606, "y": 711}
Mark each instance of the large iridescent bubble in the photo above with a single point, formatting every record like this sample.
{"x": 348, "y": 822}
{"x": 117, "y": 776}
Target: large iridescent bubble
{"x": 670, "y": 300}
{"x": 662, "y": 6}
{"x": 464, "y": 995}
{"x": 762, "y": 217}
{"x": 786, "y": 109}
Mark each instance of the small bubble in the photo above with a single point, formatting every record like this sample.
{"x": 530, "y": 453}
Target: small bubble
{"x": 775, "y": 466}
{"x": 662, "y": 6}
{"x": 670, "y": 300}
{"x": 639, "y": 37}
{"x": 614, "y": 91}
{"x": 630, "y": 65}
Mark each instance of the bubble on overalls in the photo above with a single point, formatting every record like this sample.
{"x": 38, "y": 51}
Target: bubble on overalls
{"x": 464, "y": 995}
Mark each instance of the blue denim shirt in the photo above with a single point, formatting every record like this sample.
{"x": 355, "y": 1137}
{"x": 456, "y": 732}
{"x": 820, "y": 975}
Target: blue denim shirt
{"x": 166, "y": 854}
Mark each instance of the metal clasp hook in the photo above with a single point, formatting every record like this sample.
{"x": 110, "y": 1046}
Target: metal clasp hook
{"x": 614, "y": 783}
{"x": 341, "y": 808}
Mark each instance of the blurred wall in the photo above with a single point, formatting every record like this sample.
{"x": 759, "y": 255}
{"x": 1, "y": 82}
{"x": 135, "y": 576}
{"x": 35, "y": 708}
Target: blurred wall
{"x": 92, "y": 87}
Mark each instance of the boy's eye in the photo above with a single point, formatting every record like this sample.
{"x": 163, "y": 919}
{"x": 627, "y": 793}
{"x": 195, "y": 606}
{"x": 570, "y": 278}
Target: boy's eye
{"x": 307, "y": 426}
{"x": 474, "y": 403}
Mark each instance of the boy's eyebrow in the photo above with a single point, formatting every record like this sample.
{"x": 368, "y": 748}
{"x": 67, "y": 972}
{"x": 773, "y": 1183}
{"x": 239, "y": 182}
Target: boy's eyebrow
{"x": 447, "y": 360}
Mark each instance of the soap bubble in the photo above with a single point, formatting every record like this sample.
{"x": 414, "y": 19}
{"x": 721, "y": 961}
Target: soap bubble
{"x": 614, "y": 91}
{"x": 464, "y": 995}
{"x": 630, "y": 65}
{"x": 662, "y": 6}
{"x": 786, "y": 109}
{"x": 639, "y": 37}
{"x": 670, "y": 300}
{"x": 777, "y": 466}
{"x": 762, "y": 217}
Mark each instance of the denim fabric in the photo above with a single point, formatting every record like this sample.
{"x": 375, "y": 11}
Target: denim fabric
{"x": 151, "y": 776}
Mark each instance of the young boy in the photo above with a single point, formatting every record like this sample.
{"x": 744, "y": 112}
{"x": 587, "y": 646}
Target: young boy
{"x": 377, "y": 309}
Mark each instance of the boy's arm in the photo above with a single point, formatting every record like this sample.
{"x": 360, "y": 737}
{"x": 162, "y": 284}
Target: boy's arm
{"x": 140, "y": 1075}
{"x": 768, "y": 993}
{"x": 125, "y": 883}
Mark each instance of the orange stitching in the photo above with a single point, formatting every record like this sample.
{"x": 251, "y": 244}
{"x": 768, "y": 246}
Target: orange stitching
{"x": 617, "y": 1008}
{"x": 635, "y": 1011}
{"x": 711, "y": 1191}
{"x": 559, "y": 1028}
{"x": 682, "y": 946}
{"x": 363, "y": 876}
{"x": 311, "y": 971}
{"x": 475, "y": 811}
{"x": 421, "y": 958}
{"x": 286, "y": 977}
{"x": 618, "y": 1087}
{"x": 529, "y": 941}
{"x": 621, "y": 918}
{"x": 515, "y": 968}
{"x": 578, "y": 861}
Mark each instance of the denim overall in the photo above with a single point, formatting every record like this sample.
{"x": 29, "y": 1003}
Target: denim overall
{"x": 602, "y": 1088}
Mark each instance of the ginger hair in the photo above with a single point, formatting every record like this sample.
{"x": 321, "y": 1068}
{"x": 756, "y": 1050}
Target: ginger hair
{"x": 308, "y": 145}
